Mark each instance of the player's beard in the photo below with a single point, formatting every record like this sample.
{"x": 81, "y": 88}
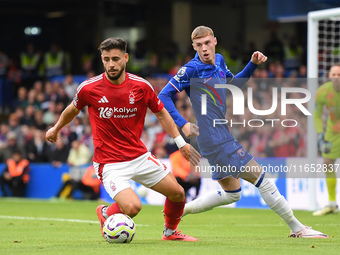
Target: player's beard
{"x": 115, "y": 77}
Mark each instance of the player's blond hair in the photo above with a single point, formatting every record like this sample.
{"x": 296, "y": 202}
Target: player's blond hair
{"x": 200, "y": 32}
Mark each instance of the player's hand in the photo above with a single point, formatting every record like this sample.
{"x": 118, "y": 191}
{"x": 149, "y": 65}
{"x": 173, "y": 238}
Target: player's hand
{"x": 52, "y": 135}
{"x": 324, "y": 146}
{"x": 258, "y": 58}
{"x": 190, "y": 129}
{"x": 190, "y": 154}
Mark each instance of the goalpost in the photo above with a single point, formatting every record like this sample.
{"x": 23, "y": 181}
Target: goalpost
{"x": 323, "y": 44}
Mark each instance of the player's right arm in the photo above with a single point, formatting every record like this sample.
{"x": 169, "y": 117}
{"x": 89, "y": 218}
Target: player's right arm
{"x": 66, "y": 117}
{"x": 318, "y": 110}
{"x": 176, "y": 84}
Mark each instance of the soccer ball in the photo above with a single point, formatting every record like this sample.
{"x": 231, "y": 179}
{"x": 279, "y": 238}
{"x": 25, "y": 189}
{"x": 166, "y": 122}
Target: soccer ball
{"x": 119, "y": 228}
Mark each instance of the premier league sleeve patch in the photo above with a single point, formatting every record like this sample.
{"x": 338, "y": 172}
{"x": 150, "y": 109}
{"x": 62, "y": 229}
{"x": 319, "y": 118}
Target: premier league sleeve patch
{"x": 181, "y": 72}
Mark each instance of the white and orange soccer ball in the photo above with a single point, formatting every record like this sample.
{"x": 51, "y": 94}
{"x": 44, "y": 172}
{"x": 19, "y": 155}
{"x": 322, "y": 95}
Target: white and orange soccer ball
{"x": 119, "y": 228}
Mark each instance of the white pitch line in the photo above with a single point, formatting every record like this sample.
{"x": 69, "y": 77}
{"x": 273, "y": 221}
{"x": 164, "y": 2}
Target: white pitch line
{"x": 55, "y": 219}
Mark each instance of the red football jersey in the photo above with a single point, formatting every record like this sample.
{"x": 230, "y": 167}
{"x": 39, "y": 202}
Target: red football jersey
{"x": 117, "y": 115}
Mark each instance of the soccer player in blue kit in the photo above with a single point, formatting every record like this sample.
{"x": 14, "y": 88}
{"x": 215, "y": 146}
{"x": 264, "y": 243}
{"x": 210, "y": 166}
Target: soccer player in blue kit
{"x": 215, "y": 142}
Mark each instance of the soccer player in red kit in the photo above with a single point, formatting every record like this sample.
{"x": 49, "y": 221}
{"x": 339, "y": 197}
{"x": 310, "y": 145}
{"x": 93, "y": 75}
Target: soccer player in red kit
{"x": 117, "y": 103}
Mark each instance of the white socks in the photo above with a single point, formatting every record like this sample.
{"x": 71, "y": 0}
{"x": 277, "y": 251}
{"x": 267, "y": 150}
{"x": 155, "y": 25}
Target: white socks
{"x": 278, "y": 203}
{"x": 268, "y": 191}
{"x": 211, "y": 200}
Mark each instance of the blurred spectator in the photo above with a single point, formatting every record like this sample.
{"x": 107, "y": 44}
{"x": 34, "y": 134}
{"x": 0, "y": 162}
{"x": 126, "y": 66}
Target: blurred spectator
{"x": 4, "y": 83}
{"x": 14, "y": 127}
{"x": 7, "y": 151}
{"x": 49, "y": 116}
{"x": 14, "y": 76}
{"x": 89, "y": 185}
{"x": 145, "y": 139}
{"x": 283, "y": 141}
{"x": 259, "y": 140}
{"x": 153, "y": 67}
{"x": 59, "y": 152}
{"x": 293, "y": 55}
{"x": 70, "y": 86}
{"x": 30, "y": 63}
{"x": 302, "y": 71}
{"x": 3, "y": 134}
{"x": 233, "y": 59}
{"x": 79, "y": 156}
{"x": 88, "y": 59}
{"x": 160, "y": 152}
{"x": 77, "y": 127}
{"x": 171, "y": 54}
{"x": 38, "y": 120}
{"x": 86, "y": 137}
{"x": 248, "y": 52}
{"x": 185, "y": 173}
{"x": 50, "y": 92}
{"x": 29, "y": 115}
{"x": 21, "y": 100}
{"x": 62, "y": 97}
{"x": 15, "y": 175}
{"x": 69, "y": 135}
{"x": 38, "y": 86}
{"x": 274, "y": 48}
{"x": 56, "y": 62}
{"x": 37, "y": 149}
{"x": 32, "y": 98}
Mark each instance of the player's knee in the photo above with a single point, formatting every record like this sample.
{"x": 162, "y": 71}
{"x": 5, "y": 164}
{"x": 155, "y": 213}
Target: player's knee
{"x": 231, "y": 197}
{"x": 178, "y": 194}
{"x": 132, "y": 209}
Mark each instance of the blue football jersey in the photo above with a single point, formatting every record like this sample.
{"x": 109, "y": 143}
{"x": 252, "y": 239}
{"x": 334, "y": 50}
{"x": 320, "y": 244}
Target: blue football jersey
{"x": 197, "y": 79}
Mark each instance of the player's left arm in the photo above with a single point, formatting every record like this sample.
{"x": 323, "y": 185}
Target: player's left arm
{"x": 324, "y": 146}
{"x": 188, "y": 152}
{"x": 242, "y": 77}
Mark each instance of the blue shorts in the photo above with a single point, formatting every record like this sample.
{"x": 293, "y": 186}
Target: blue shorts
{"x": 228, "y": 159}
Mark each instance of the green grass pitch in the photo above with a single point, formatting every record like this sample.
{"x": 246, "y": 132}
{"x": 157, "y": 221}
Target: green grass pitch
{"x": 71, "y": 227}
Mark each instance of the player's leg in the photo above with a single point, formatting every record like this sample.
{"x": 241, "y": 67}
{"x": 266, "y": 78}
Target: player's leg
{"x": 331, "y": 181}
{"x": 222, "y": 160}
{"x": 153, "y": 174}
{"x": 230, "y": 193}
{"x": 115, "y": 179}
{"x": 271, "y": 195}
{"x": 173, "y": 207}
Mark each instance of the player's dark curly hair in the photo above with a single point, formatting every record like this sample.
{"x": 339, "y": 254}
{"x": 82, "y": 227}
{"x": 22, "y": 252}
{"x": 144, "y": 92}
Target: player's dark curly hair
{"x": 113, "y": 43}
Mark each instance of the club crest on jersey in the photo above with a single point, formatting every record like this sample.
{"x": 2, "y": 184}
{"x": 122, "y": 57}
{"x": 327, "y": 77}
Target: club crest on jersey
{"x": 131, "y": 98}
{"x": 181, "y": 71}
{"x": 106, "y": 112}
{"x": 241, "y": 153}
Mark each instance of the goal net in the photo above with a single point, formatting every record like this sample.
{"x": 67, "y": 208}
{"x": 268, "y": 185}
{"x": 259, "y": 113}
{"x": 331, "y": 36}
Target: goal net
{"x": 323, "y": 51}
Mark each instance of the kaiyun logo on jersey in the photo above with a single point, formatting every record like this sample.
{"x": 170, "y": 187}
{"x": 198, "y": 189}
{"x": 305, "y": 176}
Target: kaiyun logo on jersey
{"x": 125, "y": 112}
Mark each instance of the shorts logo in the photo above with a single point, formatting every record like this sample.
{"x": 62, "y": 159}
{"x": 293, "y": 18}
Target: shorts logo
{"x": 112, "y": 186}
{"x": 222, "y": 74}
{"x": 181, "y": 71}
{"x": 241, "y": 153}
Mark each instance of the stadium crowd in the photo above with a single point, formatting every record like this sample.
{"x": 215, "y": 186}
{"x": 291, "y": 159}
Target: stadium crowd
{"x": 36, "y": 87}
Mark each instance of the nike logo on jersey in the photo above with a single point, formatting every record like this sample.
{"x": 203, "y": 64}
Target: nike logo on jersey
{"x": 103, "y": 100}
